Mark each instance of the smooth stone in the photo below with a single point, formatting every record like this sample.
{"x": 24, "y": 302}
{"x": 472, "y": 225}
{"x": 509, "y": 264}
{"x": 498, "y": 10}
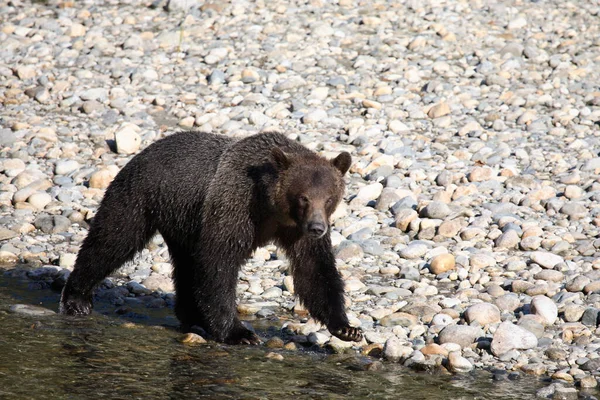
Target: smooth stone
{"x": 463, "y": 335}
{"x": 127, "y": 138}
{"x": 435, "y": 210}
{"x": 442, "y": 263}
{"x": 545, "y": 308}
{"x": 545, "y": 259}
{"x": 395, "y": 351}
{"x": 413, "y": 251}
{"x": 399, "y": 318}
{"x": 458, "y": 363}
{"x": 482, "y": 313}
{"x": 509, "y": 336}
{"x": 30, "y": 310}
{"x": 157, "y": 282}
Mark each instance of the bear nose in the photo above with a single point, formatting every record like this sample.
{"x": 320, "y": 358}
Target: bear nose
{"x": 317, "y": 229}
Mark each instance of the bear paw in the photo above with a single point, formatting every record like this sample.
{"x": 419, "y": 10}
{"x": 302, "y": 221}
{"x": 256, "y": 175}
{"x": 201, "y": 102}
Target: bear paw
{"x": 242, "y": 335}
{"x": 75, "y": 306}
{"x": 348, "y": 334}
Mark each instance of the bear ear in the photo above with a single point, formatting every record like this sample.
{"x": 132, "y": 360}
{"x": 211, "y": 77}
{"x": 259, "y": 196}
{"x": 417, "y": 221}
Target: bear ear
{"x": 342, "y": 162}
{"x": 282, "y": 161}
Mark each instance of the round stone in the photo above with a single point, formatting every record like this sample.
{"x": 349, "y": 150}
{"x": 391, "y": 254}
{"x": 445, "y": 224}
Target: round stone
{"x": 442, "y": 263}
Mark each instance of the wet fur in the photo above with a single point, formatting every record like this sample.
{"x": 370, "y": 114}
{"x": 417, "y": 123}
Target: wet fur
{"x": 215, "y": 200}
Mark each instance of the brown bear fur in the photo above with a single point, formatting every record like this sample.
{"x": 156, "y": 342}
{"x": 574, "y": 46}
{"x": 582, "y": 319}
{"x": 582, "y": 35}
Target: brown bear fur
{"x": 215, "y": 200}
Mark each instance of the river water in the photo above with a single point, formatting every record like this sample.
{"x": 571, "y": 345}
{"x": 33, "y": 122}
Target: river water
{"x": 109, "y": 357}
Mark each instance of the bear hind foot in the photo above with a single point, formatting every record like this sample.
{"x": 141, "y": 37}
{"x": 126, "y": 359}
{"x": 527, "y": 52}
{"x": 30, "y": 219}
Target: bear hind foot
{"x": 348, "y": 334}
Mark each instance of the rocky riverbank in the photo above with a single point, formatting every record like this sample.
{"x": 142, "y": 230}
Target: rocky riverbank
{"x": 470, "y": 234}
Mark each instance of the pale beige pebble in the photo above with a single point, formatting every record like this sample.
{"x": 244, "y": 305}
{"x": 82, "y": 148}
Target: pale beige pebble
{"x": 449, "y": 37}
{"x": 371, "y": 104}
{"x": 22, "y": 195}
{"x": 18, "y": 125}
{"x": 9, "y": 29}
{"x": 544, "y": 193}
{"x": 127, "y": 138}
{"x": 382, "y": 90}
{"x": 353, "y": 284}
{"x": 532, "y": 231}
{"x": 462, "y": 191}
{"x": 573, "y": 192}
{"x": 480, "y": 174}
{"x": 274, "y": 356}
{"x": 458, "y": 363}
{"x": 389, "y": 269}
{"x": 26, "y": 72}
{"x": 6, "y": 257}
{"x": 482, "y": 313}
{"x": 76, "y": 30}
{"x": 404, "y": 217}
{"x": 472, "y": 126}
{"x": 442, "y": 263}
{"x": 509, "y": 336}
{"x": 67, "y": 260}
{"x": 319, "y": 93}
{"x": 449, "y": 228}
{"x": 249, "y": 75}
{"x": 384, "y": 159}
{"x": 288, "y": 283}
{"x": 25, "y": 227}
{"x": 563, "y": 376}
{"x": 159, "y": 282}
{"x": 103, "y": 177}
{"x": 536, "y": 369}
{"x": 192, "y": 339}
{"x": 588, "y": 382}
{"x": 12, "y": 166}
{"x": 417, "y": 42}
{"x": 439, "y": 110}
{"x": 398, "y": 127}
{"x": 39, "y": 200}
{"x": 47, "y": 134}
{"x": 187, "y": 122}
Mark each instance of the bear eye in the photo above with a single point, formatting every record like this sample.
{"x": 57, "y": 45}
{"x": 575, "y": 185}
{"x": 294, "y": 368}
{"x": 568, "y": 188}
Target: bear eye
{"x": 329, "y": 201}
{"x": 303, "y": 200}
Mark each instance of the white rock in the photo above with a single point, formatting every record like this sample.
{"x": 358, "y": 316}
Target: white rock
{"x": 39, "y": 200}
{"x": 482, "y": 313}
{"x": 398, "y": 127}
{"x": 65, "y": 167}
{"x": 545, "y": 308}
{"x": 395, "y": 351}
{"x": 413, "y": 251}
{"x": 127, "y": 138}
{"x": 368, "y": 193}
{"x": 545, "y": 259}
{"x": 457, "y": 363}
{"x": 509, "y": 336}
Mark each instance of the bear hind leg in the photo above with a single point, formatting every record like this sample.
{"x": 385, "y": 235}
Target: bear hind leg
{"x": 183, "y": 277}
{"x": 111, "y": 242}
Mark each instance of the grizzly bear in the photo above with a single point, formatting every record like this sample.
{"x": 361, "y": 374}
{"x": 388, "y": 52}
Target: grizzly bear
{"x": 214, "y": 200}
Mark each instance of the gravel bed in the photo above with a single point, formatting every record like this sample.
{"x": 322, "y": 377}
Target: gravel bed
{"x": 470, "y": 234}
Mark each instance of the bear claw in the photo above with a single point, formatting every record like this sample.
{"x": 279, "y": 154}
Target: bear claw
{"x": 245, "y": 336}
{"x": 348, "y": 334}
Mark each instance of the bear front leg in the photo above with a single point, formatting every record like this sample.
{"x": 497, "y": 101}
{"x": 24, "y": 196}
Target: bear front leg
{"x": 319, "y": 285}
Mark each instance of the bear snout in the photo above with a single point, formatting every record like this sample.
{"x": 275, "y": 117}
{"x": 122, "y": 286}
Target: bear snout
{"x": 316, "y": 229}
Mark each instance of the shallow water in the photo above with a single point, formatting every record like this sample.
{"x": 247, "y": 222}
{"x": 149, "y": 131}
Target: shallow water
{"x": 99, "y": 357}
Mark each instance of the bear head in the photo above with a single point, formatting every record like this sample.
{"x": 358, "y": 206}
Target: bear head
{"x": 309, "y": 188}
